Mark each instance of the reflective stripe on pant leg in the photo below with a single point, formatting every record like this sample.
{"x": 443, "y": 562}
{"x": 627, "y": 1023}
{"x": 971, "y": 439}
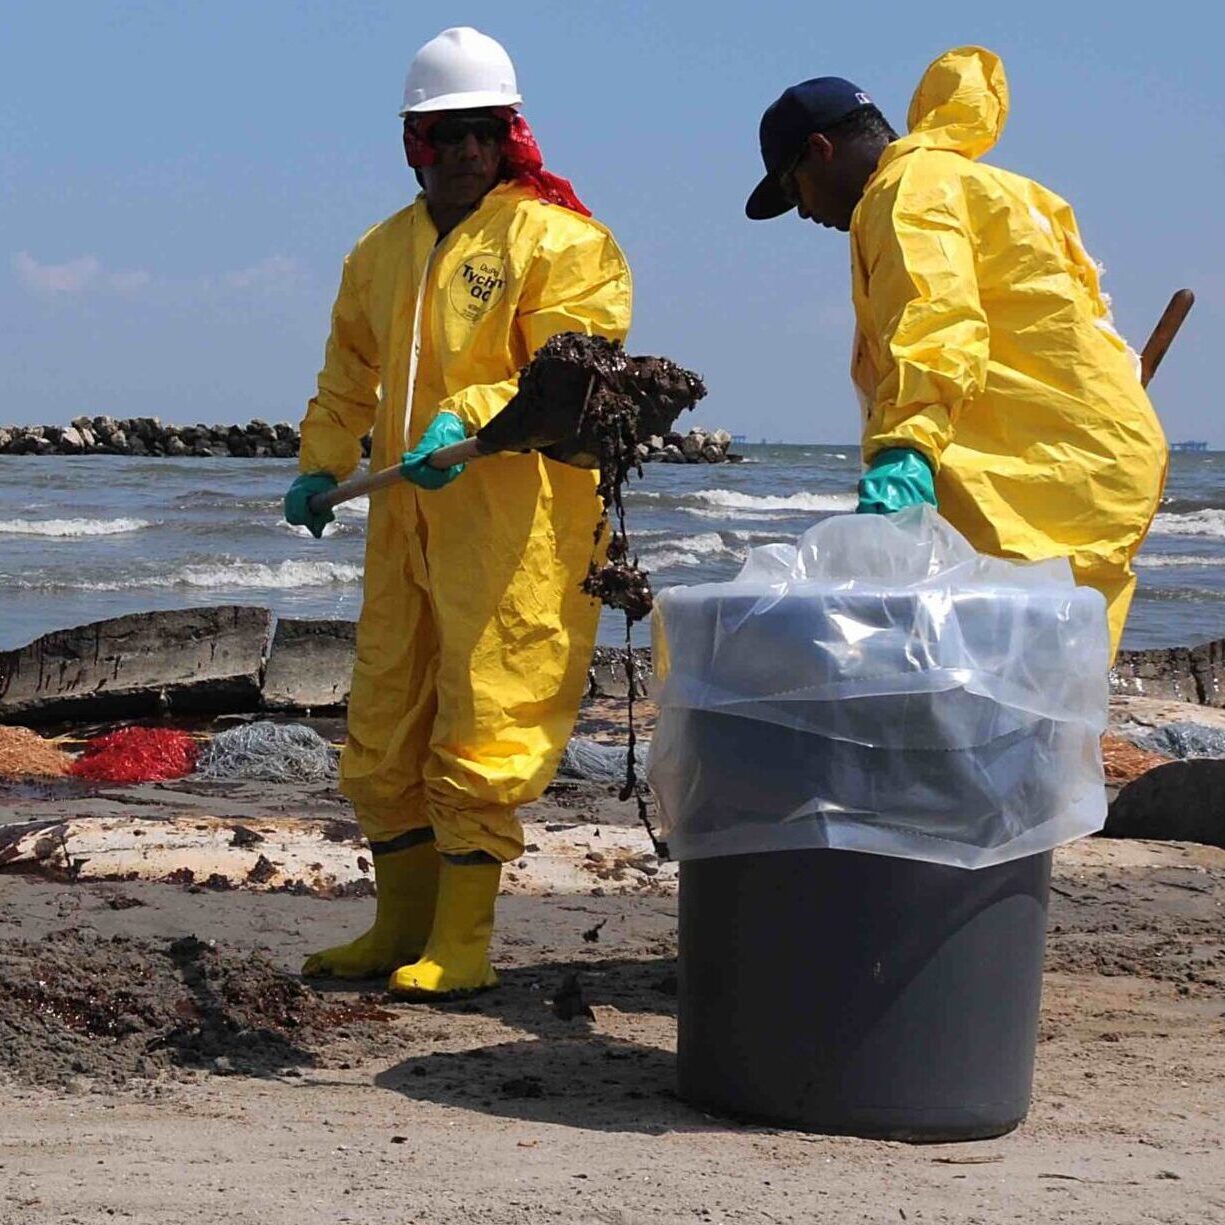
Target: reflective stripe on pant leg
{"x": 402, "y": 842}
{"x": 384, "y": 826}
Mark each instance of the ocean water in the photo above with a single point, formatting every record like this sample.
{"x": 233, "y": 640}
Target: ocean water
{"x": 92, "y": 537}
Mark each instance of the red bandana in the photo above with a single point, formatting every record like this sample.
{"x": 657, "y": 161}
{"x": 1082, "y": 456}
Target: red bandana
{"x": 521, "y": 158}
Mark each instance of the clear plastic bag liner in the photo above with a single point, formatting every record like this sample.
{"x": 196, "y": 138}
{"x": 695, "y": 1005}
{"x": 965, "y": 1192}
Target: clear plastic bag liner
{"x": 881, "y": 687}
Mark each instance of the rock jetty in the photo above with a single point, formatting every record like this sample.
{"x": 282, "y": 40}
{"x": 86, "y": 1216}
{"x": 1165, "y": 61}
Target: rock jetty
{"x": 147, "y": 436}
{"x": 699, "y": 446}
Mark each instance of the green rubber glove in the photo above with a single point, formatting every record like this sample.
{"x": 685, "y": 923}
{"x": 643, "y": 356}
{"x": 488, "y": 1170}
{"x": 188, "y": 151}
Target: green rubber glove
{"x": 896, "y": 478}
{"x": 297, "y": 502}
{"x": 444, "y": 430}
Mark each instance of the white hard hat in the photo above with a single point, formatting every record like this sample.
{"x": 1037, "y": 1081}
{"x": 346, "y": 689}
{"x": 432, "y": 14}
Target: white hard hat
{"x": 460, "y": 69}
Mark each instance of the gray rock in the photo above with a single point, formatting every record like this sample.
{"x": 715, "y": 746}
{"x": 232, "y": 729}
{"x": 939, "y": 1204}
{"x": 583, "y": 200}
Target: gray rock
{"x": 198, "y": 660}
{"x": 310, "y": 665}
{"x": 71, "y": 442}
{"x": 722, "y": 439}
{"x": 712, "y": 453}
{"x": 691, "y": 447}
{"x": 1182, "y": 739}
{"x": 284, "y": 448}
{"x": 672, "y": 455}
{"x": 117, "y": 440}
{"x": 176, "y": 446}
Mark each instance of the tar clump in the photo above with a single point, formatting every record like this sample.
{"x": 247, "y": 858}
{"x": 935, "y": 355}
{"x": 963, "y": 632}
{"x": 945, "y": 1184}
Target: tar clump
{"x": 584, "y": 401}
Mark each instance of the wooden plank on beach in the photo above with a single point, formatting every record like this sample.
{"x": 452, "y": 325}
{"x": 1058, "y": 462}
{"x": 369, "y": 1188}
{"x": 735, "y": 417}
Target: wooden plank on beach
{"x": 178, "y": 661}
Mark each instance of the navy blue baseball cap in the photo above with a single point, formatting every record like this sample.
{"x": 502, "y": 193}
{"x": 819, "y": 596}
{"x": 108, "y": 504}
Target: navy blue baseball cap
{"x": 808, "y": 107}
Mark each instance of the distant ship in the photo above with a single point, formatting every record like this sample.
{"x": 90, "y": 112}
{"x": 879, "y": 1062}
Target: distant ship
{"x": 1189, "y": 446}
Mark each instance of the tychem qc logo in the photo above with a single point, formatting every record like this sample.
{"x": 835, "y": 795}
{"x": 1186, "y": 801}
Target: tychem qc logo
{"x": 477, "y": 285}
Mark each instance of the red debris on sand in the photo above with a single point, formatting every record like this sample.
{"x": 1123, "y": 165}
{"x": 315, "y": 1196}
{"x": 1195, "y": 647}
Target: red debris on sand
{"x": 137, "y": 755}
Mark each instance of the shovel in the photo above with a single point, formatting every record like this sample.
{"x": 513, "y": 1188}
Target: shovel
{"x": 550, "y": 412}
{"x": 575, "y": 391}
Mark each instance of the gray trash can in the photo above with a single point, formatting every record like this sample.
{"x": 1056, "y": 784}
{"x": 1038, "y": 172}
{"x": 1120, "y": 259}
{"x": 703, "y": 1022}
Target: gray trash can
{"x": 867, "y": 746}
{"x": 857, "y": 994}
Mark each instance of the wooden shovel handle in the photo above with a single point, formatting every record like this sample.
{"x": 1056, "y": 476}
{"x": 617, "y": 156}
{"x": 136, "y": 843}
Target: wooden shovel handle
{"x": 1163, "y": 334}
{"x": 457, "y": 453}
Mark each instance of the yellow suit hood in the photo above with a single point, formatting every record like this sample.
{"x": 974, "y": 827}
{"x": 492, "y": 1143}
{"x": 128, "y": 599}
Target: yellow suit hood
{"x": 961, "y": 105}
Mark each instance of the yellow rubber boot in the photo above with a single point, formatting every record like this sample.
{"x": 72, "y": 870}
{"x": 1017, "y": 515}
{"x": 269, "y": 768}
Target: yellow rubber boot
{"x": 456, "y": 959}
{"x": 407, "y": 885}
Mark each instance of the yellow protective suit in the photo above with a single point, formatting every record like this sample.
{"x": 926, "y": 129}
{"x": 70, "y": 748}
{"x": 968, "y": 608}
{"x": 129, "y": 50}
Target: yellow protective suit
{"x": 474, "y": 637}
{"x": 984, "y": 341}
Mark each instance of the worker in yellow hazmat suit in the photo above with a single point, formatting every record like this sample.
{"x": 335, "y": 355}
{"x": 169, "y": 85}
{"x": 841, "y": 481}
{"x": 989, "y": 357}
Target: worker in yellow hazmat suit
{"x": 993, "y": 382}
{"x": 474, "y": 637}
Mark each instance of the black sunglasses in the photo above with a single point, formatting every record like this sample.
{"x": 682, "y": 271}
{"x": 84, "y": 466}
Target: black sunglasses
{"x": 786, "y": 179}
{"x": 455, "y": 129}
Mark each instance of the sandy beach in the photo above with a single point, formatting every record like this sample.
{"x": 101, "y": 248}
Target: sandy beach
{"x": 347, "y": 1106}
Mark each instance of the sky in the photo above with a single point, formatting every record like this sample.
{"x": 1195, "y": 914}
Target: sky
{"x": 179, "y": 183}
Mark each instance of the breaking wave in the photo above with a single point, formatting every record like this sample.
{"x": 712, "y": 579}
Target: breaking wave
{"x": 71, "y": 528}
{"x": 731, "y": 504}
{"x": 1196, "y": 523}
{"x": 223, "y": 576}
{"x": 1160, "y": 561}
{"x": 687, "y": 551}
{"x": 359, "y": 508}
